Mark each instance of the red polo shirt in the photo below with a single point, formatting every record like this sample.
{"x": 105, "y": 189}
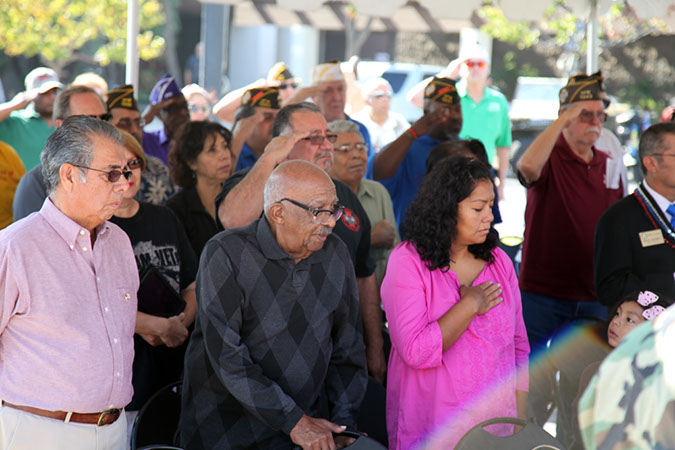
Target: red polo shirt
{"x": 563, "y": 208}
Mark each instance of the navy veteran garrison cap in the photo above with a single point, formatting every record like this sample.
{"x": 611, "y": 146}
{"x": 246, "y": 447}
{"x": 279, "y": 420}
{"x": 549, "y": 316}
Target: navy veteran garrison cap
{"x": 583, "y": 87}
{"x": 121, "y": 97}
{"x": 267, "y": 97}
{"x": 442, "y": 90}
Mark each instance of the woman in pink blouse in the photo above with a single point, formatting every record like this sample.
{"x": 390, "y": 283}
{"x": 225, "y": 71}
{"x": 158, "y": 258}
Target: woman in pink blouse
{"x": 460, "y": 350}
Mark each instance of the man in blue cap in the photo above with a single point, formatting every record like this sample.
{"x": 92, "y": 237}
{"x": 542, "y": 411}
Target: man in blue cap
{"x": 168, "y": 103}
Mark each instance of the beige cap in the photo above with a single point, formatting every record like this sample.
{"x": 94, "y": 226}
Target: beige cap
{"x": 327, "y": 72}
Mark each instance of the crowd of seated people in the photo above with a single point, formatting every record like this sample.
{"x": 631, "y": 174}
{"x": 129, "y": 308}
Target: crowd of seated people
{"x": 279, "y": 266}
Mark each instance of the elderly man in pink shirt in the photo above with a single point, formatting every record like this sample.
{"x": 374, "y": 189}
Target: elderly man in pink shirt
{"x": 68, "y": 284}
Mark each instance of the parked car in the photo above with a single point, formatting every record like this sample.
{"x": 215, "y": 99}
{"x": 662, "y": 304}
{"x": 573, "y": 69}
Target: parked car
{"x": 534, "y": 106}
{"x": 402, "y": 77}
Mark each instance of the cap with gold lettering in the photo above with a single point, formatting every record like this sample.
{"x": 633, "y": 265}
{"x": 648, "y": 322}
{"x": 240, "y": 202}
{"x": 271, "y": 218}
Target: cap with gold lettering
{"x": 121, "y": 97}
{"x": 280, "y": 72}
{"x": 442, "y": 90}
{"x": 267, "y": 97}
{"x": 583, "y": 87}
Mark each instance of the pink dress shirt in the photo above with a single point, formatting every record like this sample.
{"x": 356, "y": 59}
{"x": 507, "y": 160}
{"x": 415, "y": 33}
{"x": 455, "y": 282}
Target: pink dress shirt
{"x": 67, "y": 314}
{"x": 434, "y": 397}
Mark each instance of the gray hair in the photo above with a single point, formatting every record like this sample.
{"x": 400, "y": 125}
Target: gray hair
{"x": 283, "y": 119}
{"x": 652, "y": 141}
{"x": 275, "y": 190}
{"x": 72, "y": 143}
{"x": 345, "y": 126}
{"x": 62, "y": 102}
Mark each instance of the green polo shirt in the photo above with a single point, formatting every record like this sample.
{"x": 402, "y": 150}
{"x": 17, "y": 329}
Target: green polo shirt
{"x": 487, "y": 120}
{"x": 376, "y": 201}
{"x": 27, "y": 132}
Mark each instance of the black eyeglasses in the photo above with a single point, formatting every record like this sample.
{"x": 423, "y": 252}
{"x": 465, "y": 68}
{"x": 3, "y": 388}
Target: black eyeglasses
{"x": 135, "y": 164}
{"x": 106, "y": 117}
{"x": 321, "y": 215}
{"x": 318, "y": 140}
{"x": 285, "y": 86}
{"x": 113, "y": 175}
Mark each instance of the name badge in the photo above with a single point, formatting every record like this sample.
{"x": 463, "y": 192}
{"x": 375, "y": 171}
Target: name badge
{"x": 650, "y": 238}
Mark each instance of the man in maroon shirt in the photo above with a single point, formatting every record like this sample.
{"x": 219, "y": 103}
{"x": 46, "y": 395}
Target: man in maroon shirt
{"x": 566, "y": 195}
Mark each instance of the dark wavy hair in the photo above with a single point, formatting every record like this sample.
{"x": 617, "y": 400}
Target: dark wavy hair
{"x": 431, "y": 219}
{"x": 187, "y": 146}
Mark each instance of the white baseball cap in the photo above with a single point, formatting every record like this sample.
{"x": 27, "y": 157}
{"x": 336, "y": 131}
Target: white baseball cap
{"x": 43, "y": 79}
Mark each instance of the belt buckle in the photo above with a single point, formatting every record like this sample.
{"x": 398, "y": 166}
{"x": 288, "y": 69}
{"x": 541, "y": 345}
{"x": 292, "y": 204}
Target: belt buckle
{"x": 104, "y": 414}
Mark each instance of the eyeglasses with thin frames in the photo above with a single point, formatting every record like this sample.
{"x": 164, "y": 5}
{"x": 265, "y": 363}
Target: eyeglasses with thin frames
{"x": 360, "y": 147}
{"x": 321, "y": 215}
{"x": 194, "y": 108}
{"x": 127, "y": 123}
{"x": 135, "y": 164}
{"x": 587, "y": 116}
{"x": 318, "y": 140}
{"x": 113, "y": 175}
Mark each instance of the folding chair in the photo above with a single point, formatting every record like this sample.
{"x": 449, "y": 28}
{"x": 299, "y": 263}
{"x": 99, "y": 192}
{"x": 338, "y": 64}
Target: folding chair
{"x": 531, "y": 437}
{"x": 156, "y": 425}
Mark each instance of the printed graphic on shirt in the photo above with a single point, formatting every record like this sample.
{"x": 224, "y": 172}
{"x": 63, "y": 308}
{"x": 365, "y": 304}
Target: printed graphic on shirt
{"x": 164, "y": 257}
{"x": 350, "y": 220}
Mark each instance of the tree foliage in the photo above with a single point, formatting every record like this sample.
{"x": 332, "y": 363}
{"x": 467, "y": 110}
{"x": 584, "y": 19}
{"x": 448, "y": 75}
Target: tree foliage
{"x": 59, "y": 30}
{"x": 561, "y": 27}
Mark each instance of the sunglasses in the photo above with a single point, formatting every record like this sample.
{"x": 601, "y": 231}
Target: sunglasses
{"x": 113, "y": 175}
{"x": 193, "y": 108}
{"x": 105, "y": 116}
{"x": 318, "y": 140}
{"x": 135, "y": 164}
{"x": 480, "y": 64}
{"x": 588, "y": 116}
{"x": 285, "y": 86}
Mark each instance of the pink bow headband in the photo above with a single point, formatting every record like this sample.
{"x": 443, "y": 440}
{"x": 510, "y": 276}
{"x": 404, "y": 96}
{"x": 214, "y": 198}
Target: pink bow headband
{"x": 646, "y": 298}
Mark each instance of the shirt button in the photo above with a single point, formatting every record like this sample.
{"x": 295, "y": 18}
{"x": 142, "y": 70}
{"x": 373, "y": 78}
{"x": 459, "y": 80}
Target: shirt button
{"x": 105, "y": 309}
{"x": 115, "y": 340}
{"x": 84, "y": 249}
{"x": 82, "y": 232}
{"x": 98, "y": 278}
{"x": 110, "y": 406}
{"x": 72, "y": 246}
{"x": 118, "y": 374}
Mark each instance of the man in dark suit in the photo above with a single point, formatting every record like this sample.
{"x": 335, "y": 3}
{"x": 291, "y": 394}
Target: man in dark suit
{"x": 635, "y": 238}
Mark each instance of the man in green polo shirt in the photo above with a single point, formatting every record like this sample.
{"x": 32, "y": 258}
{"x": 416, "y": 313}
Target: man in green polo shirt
{"x": 485, "y": 110}
{"x": 26, "y": 120}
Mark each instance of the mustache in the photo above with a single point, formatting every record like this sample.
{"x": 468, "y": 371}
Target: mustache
{"x": 324, "y": 230}
{"x": 323, "y": 154}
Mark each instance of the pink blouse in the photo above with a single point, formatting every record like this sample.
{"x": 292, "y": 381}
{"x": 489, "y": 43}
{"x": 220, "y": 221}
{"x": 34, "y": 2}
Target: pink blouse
{"x": 435, "y": 397}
